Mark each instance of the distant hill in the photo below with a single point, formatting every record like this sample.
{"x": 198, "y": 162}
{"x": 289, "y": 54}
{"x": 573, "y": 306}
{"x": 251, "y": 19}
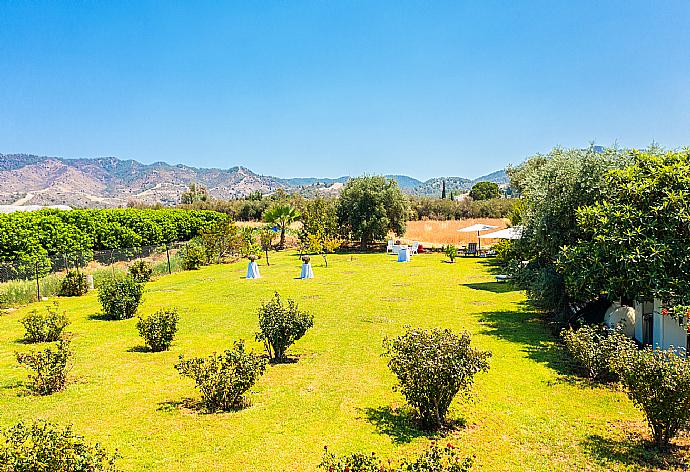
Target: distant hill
{"x": 27, "y": 179}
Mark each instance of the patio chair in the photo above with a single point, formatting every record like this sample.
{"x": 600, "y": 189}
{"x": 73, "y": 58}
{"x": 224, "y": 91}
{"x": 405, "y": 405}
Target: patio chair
{"x": 389, "y": 248}
{"x": 414, "y": 248}
{"x": 471, "y": 249}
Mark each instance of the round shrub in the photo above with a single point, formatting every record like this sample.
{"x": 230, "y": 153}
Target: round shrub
{"x": 595, "y": 350}
{"x": 223, "y": 379}
{"x": 158, "y": 329}
{"x": 658, "y": 382}
{"x": 44, "y": 327}
{"x": 435, "y": 458}
{"x": 432, "y": 367}
{"x": 280, "y": 326}
{"x": 45, "y": 447}
{"x": 120, "y": 297}
{"x": 193, "y": 256}
{"x": 74, "y": 284}
{"x": 49, "y": 368}
{"x": 141, "y": 271}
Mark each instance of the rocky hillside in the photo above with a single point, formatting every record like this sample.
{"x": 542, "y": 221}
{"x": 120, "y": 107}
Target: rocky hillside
{"x": 108, "y": 181}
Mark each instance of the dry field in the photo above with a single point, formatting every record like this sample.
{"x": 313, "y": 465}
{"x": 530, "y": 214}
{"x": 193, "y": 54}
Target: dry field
{"x": 435, "y": 233}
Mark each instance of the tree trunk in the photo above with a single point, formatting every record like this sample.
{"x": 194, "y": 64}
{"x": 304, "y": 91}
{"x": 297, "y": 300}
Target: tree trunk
{"x": 282, "y": 237}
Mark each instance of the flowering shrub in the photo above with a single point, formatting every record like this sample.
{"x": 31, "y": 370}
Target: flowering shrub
{"x": 432, "y": 367}
{"x": 434, "y": 459}
{"x": 223, "y": 378}
{"x": 141, "y": 271}
{"x": 49, "y": 368}
{"x": 74, "y": 284}
{"x": 43, "y": 446}
{"x": 658, "y": 382}
{"x": 46, "y": 327}
{"x": 280, "y": 326}
{"x": 595, "y": 348}
{"x": 120, "y": 297}
{"x": 158, "y": 329}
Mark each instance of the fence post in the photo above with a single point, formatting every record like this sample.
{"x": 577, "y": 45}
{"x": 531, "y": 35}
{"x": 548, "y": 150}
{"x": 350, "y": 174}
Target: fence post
{"x": 167, "y": 253}
{"x": 38, "y": 285}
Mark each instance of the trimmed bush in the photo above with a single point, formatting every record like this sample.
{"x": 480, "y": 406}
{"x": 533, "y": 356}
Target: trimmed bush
{"x": 280, "y": 326}
{"x": 595, "y": 348}
{"x": 193, "y": 256}
{"x": 49, "y": 368}
{"x": 658, "y": 382}
{"x": 120, "y": 297}
{"x": 158, "y": 329}
{"x": 432, "y": 367}
{"x": 44, "y": 447}
{"x": 141, "y": 271}
{"x": 46, "y": 327}
{"x": 74, "y": 284}
{"x": 433, "y": 459}
{"x": 223, "y": 379}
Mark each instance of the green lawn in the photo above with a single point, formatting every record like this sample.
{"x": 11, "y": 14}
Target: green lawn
{"x": 526, "y": 413}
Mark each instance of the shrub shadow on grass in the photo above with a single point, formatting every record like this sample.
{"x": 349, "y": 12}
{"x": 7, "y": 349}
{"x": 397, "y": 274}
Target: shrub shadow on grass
{"x": 527, "y": 328}
{"x": 99, "y": 317}
{"x": 495, "y": 287}
{"x": 635, "y": 452}
{"x": 140, "y": 348}
{"x": 195, "y": 406}
{"x": 401, "y": 426}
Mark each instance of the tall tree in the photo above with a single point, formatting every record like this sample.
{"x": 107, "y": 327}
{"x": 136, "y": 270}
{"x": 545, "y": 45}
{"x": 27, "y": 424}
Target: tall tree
{"x": 484, "y": 191}
{"x": 443, "y": 190}
{"x": 370, "y": 207}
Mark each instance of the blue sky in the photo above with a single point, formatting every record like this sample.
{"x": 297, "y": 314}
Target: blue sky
{"x": 330, "y": 88}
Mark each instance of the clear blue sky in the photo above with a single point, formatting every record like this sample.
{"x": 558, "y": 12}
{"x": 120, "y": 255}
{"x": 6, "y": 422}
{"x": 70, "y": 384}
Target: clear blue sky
{"x": 330, "y": 88}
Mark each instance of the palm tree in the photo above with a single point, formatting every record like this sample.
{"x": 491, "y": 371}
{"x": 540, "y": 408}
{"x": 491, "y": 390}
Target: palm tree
{"x": 281, "y": 216}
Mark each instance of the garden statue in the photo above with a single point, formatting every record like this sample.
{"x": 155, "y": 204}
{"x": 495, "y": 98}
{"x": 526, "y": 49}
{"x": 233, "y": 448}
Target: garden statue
{"x": 307, "y": 271}
{"x": 253, "y": 268}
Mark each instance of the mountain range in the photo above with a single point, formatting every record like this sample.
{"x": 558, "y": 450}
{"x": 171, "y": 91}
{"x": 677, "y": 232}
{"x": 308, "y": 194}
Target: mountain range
{"x": 111, "y": 182}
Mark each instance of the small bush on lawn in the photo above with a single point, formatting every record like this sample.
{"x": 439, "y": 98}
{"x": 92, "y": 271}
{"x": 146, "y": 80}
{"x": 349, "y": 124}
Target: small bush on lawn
{"x": 451, "y": 251}
{"x": 432, "y": 367}
{"x": 433, "y": 459}
{"x": 44, "y": 327}
{"x": 594, "y": 348}
{"x": 224, "y": 378}
{"x": 49, "y": 368}
{"x": 44, "y": 447}
{"x": 141, "y": 271}
{"x": 280, "y": 326}
{"x": 120, "y": 297}
{"x": 158, "y": 329}
{"x": 74, "y": 284}
{"x": 658, "y": 382}
{"x": 193, "y": 256}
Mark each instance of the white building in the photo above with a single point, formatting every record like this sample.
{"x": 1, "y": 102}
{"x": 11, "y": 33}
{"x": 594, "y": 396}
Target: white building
{"x": 647, "y": 325}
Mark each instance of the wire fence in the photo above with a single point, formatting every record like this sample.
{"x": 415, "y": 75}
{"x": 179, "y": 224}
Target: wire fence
{"x": 84, "y": 260}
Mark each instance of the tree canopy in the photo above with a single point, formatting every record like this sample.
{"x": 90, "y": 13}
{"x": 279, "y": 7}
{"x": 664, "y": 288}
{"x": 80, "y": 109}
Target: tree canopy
{"x": 635, "y": 242}
{"x": 484, "y": 191}
{"x": 370, "y": 207}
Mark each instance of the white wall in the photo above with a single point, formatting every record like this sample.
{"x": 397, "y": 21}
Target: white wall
{"x": 667, "y": 331}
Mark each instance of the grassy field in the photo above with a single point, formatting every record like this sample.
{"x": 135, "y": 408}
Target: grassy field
{"x": 526, "y": 413}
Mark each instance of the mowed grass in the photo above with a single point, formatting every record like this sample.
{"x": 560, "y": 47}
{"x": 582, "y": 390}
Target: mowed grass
{"x": 524, "y": 414}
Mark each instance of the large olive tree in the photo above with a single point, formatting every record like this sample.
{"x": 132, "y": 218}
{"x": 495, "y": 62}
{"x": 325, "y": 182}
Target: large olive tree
{"x": 371, "y": 206}
{"x": 553, "y": 187}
